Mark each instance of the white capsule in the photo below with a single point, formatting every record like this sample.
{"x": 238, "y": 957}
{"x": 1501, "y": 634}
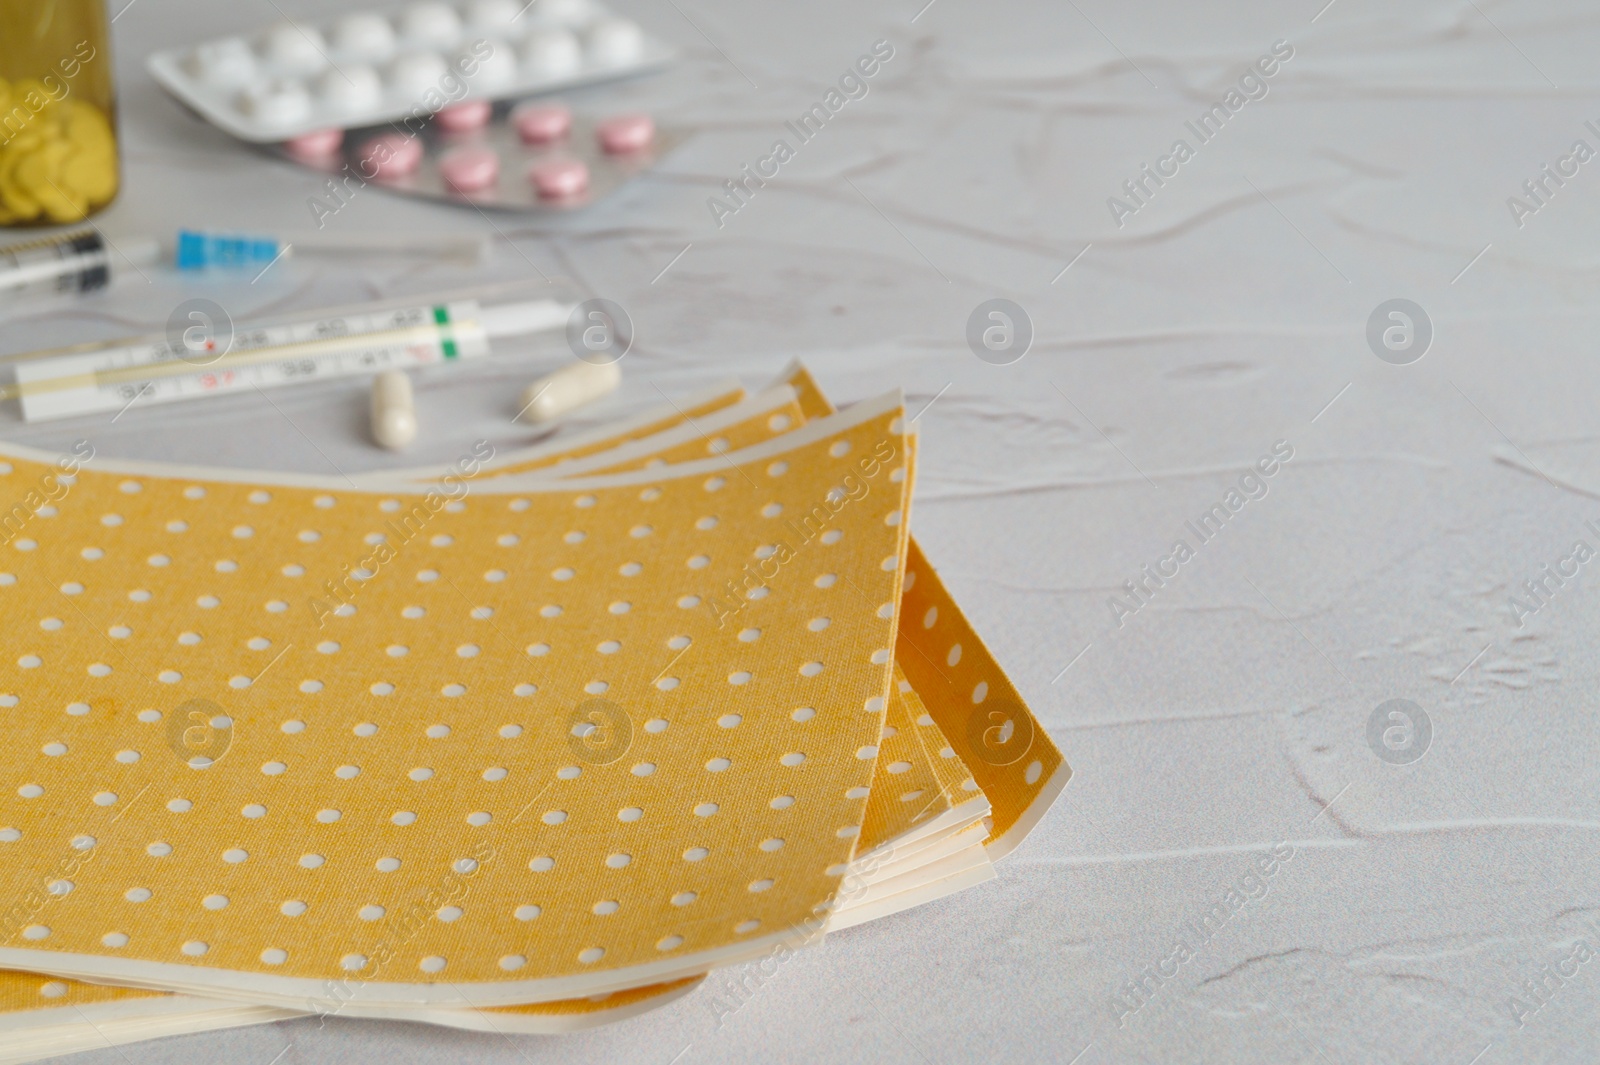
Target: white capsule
{"x": 394, "y": 413}
{"x": 567, "y": 389}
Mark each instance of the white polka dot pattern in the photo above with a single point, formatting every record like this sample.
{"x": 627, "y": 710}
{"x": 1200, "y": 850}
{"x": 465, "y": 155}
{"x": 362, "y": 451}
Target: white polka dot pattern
{"x": 905, "y": 795}
{"x": 317, "y": 822}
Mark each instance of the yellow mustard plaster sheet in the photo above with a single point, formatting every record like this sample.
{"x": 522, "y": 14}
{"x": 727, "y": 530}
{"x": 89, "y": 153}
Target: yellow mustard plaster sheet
{"x": 269, "y": 887}
{"x": 989, "y": 727}
{"x": 914, "y": 761}
{"x": 885, "y": 818}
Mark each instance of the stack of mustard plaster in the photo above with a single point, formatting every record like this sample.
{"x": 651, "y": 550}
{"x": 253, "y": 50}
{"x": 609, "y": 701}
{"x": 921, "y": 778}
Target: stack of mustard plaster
{"x": 522, "y": 746}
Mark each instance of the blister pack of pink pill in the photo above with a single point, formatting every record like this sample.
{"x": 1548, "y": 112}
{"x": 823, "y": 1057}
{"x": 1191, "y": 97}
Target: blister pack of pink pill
{"x": 534, "y": 156}
{"x": 366, "y": 68}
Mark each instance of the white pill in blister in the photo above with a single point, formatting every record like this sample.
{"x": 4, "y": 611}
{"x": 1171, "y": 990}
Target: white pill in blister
{"x": 495, "y": 16}
{"x": 568, "y": 388}
{"x": 296, "y": 49}
{"x": 551, "y": 53}
{"x": 226, "y": 63}
{"x": 350, "y": 89}
{"x": 394, "y": 412}
{"x": 494, "y": 70}
{"x": 566, "y": 12}
{"x": 615, "y": 41}
{"x": 414, "y": 73}
{"x": 431, "y": 25}
{"x": 364, "y": 36}
{"x": 276, "y": 103}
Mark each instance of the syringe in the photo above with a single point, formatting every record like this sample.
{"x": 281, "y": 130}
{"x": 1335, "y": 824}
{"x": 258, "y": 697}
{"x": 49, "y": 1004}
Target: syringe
{"x": 78, "y": 261}
{"x": 83, "y": 260}
{"x": 200, "y": 361}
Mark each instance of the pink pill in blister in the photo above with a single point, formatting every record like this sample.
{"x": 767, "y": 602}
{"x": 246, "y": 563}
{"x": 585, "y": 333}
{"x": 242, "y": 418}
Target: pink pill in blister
{"x": 559, "y": 178}
{"x": 391, "y": 155}
{"x": 474, "y": 114}
{"x": 542, "y": 123}
{"x": 626, "y": 133}
{"x": 470, "y": 169}
{"x": 318, "y": 144}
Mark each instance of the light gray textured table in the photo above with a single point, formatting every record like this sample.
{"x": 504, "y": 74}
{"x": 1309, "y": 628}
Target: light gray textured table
{"x": 1226, "y": 313}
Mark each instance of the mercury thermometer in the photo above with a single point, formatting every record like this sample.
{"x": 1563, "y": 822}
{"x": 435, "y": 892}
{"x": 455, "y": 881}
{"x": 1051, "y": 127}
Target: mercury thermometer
{"x": 200, "y": 359}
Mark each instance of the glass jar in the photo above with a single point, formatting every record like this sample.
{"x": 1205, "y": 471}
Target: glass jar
{"x": 58, "y": 142}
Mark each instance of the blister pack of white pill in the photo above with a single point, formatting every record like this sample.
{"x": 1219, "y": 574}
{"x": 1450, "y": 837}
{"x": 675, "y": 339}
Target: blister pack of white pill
{"x": 365, "y": 68}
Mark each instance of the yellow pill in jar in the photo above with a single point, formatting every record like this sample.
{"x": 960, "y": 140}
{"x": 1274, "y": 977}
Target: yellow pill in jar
{"x": 91, "y": 169}
{"x": 12, "y": 196}
{"x": 84, "y": 124}
{"x": 39, "y": 174}
{"x": 37, "y": 170}
{"x": 91, "y": 173}
{"x": 60, "y": 206}
{"x": 58, "y": 157}
{"x": 63, "y": 208}
{"x": 26, "y": 141}
{"x": 20, "y": 90}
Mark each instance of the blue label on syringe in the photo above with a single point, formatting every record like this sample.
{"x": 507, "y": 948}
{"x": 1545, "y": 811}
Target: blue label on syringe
{"x": 199, "y": 251}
